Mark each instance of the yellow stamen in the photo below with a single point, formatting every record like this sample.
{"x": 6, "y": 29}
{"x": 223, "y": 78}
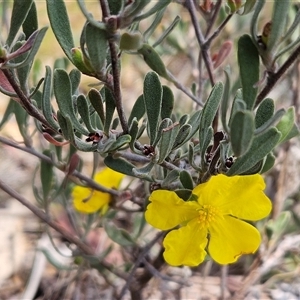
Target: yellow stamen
{"x": 207, "y": 214}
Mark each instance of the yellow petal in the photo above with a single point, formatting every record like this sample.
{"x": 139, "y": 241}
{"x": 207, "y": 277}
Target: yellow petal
{"x": 87, "y": 201}
{"x": 230, "y": 238}
{"x": 109, "y": 178}
{"x": 167, "y": 210}
{"x": 240, "y": 196}
{"x": 185, "y": 246}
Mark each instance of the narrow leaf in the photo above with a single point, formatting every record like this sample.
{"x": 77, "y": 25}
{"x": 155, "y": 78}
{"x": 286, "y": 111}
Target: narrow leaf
{"x": 261, "y": 146}
{"x": 241, "y": 132}
{"x": 18, "y": 16}
{"x": 167, "y": 104}
{"x": 60, "y": 25}
{"x": 248, "y": 60}
{"x": 153, "y": 101}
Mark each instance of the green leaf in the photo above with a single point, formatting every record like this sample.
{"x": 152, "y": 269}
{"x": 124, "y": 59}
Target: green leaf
{"x": 153, "y": 101}
{"x": 208, "y": 113}
{"x": 115, "y": 6}
{"x": 186, "y": 180}
{"x": 167, "y": 103}
{"x": 144, "y": 171}
{"x": 122, "y": 141}
{"x": 133, "y": 131}
{"x": 225, "y": 102}
{"x": 248, "y": 6}
{"x": 275, "y": 118}
{"x": 286, "y": 123}
{"x": 18, "y": 16}
{"x": 268, "y": 163}
{"x": 138, "y": 109}
{"x": 97, "y": 102}
{"x": 75, "y": 77}
{"x": 153, "y": 60}
{"x": 60, "y": 25}
{"x": 97, "y": 45}
{"x": 264, "y": 112}
{"x": 261, "y": 146}
{"x": 118, "y": 235}
{"x": 279, "y": 18}
{"x": 168, "y": 137}
{"x": 171, "y": 177}
{"x": 183, "y": 136}
{"x": 184, "y": 194}
{"x": 248, "y": 59}
{"x": 46, "y": 175}
{"x": 109, "y": 109}
{"x": 119, "y": 165}
{"x": 83, "y": 110}
{"x": 31, "y": 22}
{"x": 34, "y": 41}
{"x": 194, "y": 121}
{"x": 46, "y": 100}
{"x": 63, "y": 94}
{"x": 241, "y": 132}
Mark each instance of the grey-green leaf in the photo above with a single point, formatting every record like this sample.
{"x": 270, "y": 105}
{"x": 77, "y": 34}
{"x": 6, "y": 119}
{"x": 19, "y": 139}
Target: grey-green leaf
{"x": 153, "y": 101}
{"x": 96, "y": 42}
{"x": 264, "y": 112}
{"x": 46, "y": 175}
{"x": 241, "y": 132}
{"x": 261, "y": 146}
{"x": 138, "y": 109}
{"x": 46, "y": 100}
{"x": 120, "y": 165}
{"x": 186, "y": 180}
{"x": 109, "y": 109}
{"x": 248, "y": 59}
{"x": 63, "y": 94}
{"x": 97, "y": 102}
{"x": 19, "y": 13}
{"x": 60, "y": 25}
{"x": 167, "y": 104}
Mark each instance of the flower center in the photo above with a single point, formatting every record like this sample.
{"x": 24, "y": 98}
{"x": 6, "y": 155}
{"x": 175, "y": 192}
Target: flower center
{"x": 207, "y": 214}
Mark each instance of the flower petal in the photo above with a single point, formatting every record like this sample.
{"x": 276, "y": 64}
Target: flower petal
{"x": 109, "y": 178}
{"x": 185, "y": 246}
{"x": 240, "y": 196}
{"x": 230, "y": 238}
{"x": 88, "y": 201}
{"x": 167, "y": 210}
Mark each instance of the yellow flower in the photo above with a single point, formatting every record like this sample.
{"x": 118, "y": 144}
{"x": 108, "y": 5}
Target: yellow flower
{"x": 213, "y": 222}
{"x": 87, "y": 200}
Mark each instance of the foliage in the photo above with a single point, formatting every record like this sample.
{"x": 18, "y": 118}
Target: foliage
{"x": 157, "y": 144}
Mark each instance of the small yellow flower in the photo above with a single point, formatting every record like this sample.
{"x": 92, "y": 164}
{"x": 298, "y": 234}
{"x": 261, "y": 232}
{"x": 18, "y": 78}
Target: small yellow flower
{"x": 213, "y": 222}
{"x": 87, "y": 200}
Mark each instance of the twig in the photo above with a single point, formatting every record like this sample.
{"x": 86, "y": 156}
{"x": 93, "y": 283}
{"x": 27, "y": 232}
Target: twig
{"x": 114, "y": 65}
{"x": 137, "y": 263}
{"x": 26, "y": 103}
{"x": 85, "y": 249}
{"x": 213, "y": 18}
{"x": 91, "y": 183}
{"x": 218, "y": 30}
{"x": 208, "y": 63}
{"x": 273, "y": 78}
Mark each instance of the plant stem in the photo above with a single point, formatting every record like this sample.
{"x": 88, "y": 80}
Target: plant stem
{"x": 91, "y": 183}
{"x": 273, "y": 78}
{"x": 26, "y": 103}
{"x": 204, "y": 49}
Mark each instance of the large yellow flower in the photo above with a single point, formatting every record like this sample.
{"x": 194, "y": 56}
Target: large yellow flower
{"x": 87, "y": 200}
{"x": 212, "y": 222}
